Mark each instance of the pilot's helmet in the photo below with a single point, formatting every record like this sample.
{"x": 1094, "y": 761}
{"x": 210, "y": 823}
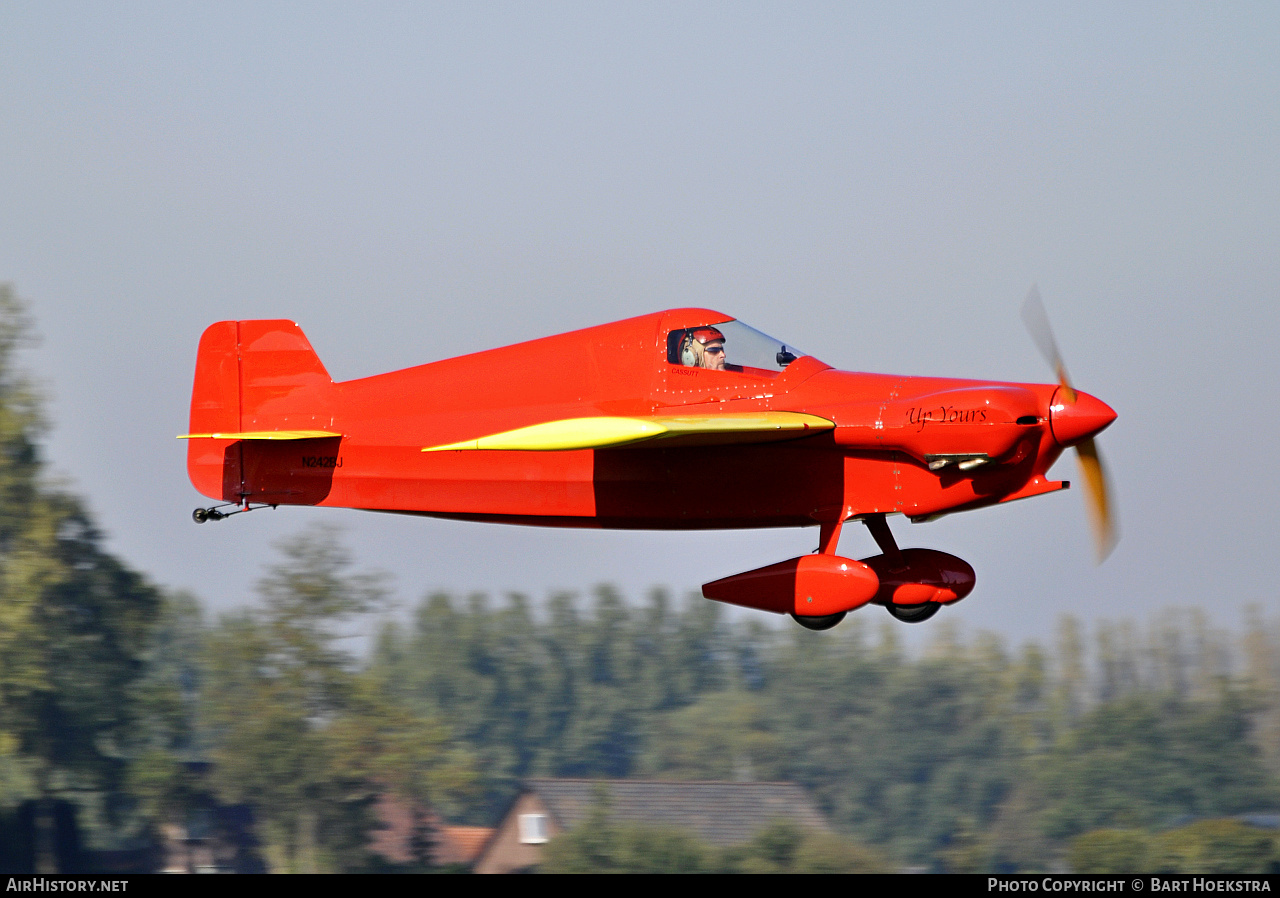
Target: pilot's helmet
{"x": 695, "y": 342}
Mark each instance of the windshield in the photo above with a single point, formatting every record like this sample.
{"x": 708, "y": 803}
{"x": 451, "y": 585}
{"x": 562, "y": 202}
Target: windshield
{"x": 730, "y": 346}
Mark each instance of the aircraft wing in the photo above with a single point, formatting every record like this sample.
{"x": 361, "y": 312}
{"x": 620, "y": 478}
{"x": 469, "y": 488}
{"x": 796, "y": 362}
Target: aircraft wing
{"x": 658, "y": 431}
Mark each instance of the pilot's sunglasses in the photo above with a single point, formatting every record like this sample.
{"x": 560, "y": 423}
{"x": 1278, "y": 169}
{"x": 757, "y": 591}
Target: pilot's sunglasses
{"x": 714, "y": 349}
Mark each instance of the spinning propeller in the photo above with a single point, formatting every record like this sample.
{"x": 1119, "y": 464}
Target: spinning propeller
{"x": 1075, "y": 418}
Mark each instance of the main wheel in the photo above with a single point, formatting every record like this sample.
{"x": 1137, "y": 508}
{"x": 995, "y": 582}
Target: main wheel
{"x": 200, "y": 515}
{"x": 913, "y": 614}
{"x": 825, "y": 622}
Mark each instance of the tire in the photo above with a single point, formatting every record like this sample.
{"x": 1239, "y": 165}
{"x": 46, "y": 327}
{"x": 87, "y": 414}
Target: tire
{"x": 913, "y": 614}
{"x": 825, "y": 622}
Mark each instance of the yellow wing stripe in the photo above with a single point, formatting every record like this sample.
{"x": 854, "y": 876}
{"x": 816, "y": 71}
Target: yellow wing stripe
{"x": 262, "y": 435}
{"x": 604, "y": 432}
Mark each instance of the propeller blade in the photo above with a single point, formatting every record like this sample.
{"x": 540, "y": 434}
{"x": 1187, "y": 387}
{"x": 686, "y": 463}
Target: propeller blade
{"x": 1098, "y": 499}
{"x": 1036, "y": 319}
{"x": 1102, "y": 519}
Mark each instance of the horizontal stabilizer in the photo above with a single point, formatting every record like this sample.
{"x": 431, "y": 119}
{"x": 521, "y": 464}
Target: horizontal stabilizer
{"x": 658, "y": 430}
{"x": 263, "y": 435}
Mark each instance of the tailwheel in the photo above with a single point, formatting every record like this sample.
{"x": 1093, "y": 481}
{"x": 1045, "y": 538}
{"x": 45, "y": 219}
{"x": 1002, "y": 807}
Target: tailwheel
{"x": 824, "y": 622}
{"x": 200, "y": 515}
{"x": 913, "y": 614}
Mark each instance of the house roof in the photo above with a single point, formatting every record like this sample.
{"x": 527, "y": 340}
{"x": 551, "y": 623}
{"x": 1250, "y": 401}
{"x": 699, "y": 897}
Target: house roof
{"x": 719, "y": 813}
{"x": 462, "y": 844}
{"x": 393, "y": 839}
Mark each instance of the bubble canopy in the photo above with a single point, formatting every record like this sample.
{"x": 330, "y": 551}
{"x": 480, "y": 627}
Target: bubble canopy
{"x": 745, "y": 348}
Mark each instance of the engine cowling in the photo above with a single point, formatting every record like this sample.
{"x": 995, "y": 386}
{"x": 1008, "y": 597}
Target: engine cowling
{"x": 929, "y": 576}
{"x": 808, "y": 586}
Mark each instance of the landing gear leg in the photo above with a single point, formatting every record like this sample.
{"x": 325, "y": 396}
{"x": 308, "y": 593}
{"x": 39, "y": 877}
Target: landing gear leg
{"x": 908, "y": 614}
{"x": 883, "y": 536}
{"x": 829, "y": 537}
{"x": 200, "y": 515}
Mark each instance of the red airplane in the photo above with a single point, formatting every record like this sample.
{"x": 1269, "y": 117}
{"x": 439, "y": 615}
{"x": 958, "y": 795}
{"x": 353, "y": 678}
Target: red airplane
{"x": 684, "y": 419}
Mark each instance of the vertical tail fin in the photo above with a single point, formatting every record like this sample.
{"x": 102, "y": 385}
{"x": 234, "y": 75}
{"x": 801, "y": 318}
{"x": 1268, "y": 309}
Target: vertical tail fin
{"x": 215, "y": 398}
{"x": 253, "y": 377}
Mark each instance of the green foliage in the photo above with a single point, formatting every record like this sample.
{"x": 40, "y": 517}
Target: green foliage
{"x": 564, "y": 696}
{"x": 297, "y": 731}
{"x": 608, "y": 848}
{"x": 74, "y": 621}
{"x": 278, "y": 694}
{"x": 723, "y": 736}
{"x": 599, "y": 845}
{"x": 775, "y": 849}
{"x": 829, "y": 853}
{"x": 782, "y": 847}
{"x": 1207, "y": 846}
{"x": 969, "y": 758}
{"x": 1143, "y": 760}
{"x": 902, "y": 753}
{"x": 386, "y": 745}
{"x": 166, "y": 738}
{"x": 1111, "y": 851}
{"x": 1215, "y": 846}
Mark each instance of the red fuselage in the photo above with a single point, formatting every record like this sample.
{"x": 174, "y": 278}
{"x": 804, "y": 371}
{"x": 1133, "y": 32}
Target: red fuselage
{"x": 917, "y": 446}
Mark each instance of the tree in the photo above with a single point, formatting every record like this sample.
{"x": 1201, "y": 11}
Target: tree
{"x": 599, "y": 845}
{"x": 166, "y": 740}
{"x": 723, "y": 736}
{"x": 1149, "y": 758}
{"x": 1215, "y": 846}
{"x": 1111, "y": 851}
{"x": 279, "y": 691}
{"x": 383, "y": 743}
{"x": 74, "y": 620}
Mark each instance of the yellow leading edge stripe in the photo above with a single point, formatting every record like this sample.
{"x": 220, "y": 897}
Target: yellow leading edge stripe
{"x": 603, "y": 432}
{"x": 262, "y": 435}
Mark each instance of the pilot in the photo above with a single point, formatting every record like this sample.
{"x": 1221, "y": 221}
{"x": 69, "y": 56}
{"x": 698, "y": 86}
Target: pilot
{"x": 703, "y": 348}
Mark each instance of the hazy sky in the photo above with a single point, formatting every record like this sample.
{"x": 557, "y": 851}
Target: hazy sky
{"x": 877, "y": 183}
